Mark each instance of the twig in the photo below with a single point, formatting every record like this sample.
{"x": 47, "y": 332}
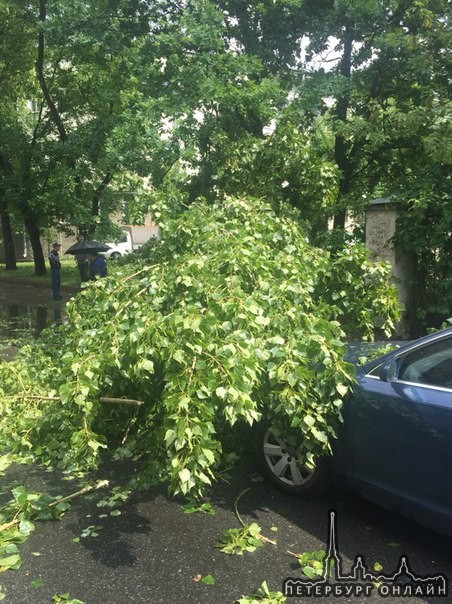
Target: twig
{"x": 103, "y": 399}
{"x": 239, "y": 518}
{"x": 191, "y": 371}
{"x": 239, "y": 496}
{"x": 99, "y": 484}
{"x": 129, "y": 426}
{"x": 35, "y": 397}
{"x": 292, "y": 554}
{"x": 7, "y": 525}
{"x": 130, "y": 301}
{"x": 123, "y": 401}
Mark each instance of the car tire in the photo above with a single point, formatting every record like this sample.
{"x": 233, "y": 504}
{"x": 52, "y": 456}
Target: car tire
{"x": 115, "y": 255}
{"x": 279, "y": 463}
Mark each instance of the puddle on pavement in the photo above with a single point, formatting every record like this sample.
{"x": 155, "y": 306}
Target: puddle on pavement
{"x": 17, "y": 321}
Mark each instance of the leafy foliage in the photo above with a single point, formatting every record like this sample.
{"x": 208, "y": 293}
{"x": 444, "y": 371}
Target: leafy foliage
{"x": 139, "y": 100}
{"x": 263, "y": 595}
{"x": 233, "y": 317}
{"x": 192, "y": 508}
{"x": 424, "y": 234}
{"x": 312, "y": 563}
{"x": 236, "y": 541}
{"x": 17, "y": 519}
{"x": 66, "y": 599}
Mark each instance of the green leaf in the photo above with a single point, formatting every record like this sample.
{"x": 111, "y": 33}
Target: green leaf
{"x": 20, "y": 495}
{"x": 10, "y": 562}
{"x": 377, "y": 566}
{"x": 342, "y": 389}
{"x": 184, "y": 475}
{"x": 193, "y": 507}
{"x": 146, "y": 365}
{"x": 309, "y": 420}
{"x": 221, "y": 392}
{"x": 26, "y": 527}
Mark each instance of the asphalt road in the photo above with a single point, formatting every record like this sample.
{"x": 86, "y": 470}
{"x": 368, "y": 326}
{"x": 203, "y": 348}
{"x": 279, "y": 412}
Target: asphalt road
{"x": 153, "y": 552}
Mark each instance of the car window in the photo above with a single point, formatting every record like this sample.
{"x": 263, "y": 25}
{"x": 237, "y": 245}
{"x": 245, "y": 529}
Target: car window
{"x": 430, "y": 365}
{"x": 375, "y": 372}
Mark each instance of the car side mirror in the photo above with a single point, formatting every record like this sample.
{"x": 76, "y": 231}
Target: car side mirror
{"x": 388, "y": 370}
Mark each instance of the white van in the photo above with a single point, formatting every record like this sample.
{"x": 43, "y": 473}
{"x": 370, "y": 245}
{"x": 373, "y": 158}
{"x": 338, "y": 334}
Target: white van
{"x": 132, "y": 238}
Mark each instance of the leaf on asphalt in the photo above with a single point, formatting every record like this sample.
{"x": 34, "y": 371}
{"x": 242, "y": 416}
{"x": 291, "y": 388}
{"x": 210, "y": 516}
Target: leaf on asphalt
{"x": 378, "y": 566}
{"x": 10, "y": 562}
{"x": 192, "y": 507}
{"x": 256, "y": 478}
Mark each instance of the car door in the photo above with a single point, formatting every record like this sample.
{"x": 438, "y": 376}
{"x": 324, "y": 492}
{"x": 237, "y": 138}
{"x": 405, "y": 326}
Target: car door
{"x": 399, "y": 433}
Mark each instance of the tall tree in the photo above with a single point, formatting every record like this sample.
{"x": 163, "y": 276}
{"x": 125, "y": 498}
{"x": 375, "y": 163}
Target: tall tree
{"x": 60, "y": 152}
{"x": 15, "y": 70}
{"x": 389, "y": 59}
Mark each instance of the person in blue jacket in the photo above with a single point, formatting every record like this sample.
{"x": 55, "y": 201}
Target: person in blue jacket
{"x": 97, "y": 266}
{"x": 55, "y": 266}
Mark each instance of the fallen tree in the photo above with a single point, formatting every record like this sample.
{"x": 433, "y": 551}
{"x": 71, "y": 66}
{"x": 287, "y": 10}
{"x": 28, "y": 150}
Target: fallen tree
{"x": 233, "y": 316}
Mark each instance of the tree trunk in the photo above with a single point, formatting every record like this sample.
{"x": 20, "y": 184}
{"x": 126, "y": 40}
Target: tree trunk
{"x": 95, "y": 203}
{"x": 8, "y": 239}
{"x": 35, "y": 240}
{"x": 341, "y": 149}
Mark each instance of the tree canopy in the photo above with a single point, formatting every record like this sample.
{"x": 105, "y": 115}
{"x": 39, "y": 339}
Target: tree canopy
{"x": 233, "y": 317}
{"x": 322, "y": 104}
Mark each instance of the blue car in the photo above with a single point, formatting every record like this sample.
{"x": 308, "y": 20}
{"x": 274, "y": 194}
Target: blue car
{"x": 395, "y": 446}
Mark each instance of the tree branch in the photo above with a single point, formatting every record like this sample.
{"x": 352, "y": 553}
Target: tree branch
{"x": 98, "y": 192}
{"x": 39, "y": 68}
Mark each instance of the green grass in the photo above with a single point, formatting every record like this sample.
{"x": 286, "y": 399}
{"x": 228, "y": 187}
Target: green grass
{"x": 26, "y": 270}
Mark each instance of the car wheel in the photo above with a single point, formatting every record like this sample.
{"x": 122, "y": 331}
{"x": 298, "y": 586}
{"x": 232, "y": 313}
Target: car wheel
{"x": 115, "y": 255}
{"x": 280, "y": 462}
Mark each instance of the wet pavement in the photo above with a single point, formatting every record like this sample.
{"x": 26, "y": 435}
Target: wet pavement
{"x": 154, "y": 553}
{"x": 31, "y": 294}
{"x": 27, "y": 308}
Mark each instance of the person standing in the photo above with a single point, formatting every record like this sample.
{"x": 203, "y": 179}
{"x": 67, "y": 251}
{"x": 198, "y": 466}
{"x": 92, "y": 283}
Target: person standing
{"x": 82, "y": 261}
{"x": 98, "y": 266}
{"x": 55, "y": 266}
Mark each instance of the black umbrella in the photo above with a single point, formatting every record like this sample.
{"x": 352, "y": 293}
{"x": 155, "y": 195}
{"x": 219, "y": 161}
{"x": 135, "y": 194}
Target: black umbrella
{"x": 87, "y": 247}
